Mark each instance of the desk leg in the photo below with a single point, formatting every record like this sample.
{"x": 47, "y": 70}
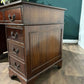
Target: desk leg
{"x": 3, "y": 44}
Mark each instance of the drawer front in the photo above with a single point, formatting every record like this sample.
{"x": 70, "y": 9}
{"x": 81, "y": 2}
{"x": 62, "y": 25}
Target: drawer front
{"x": 1, "y": 16}
{"x": 15, "y": 34}
{"x": 17, "y": 65}
{"x": 16, "y": 50}
{"x": 13, "y": 15}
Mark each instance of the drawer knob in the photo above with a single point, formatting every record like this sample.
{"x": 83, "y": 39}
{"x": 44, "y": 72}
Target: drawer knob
{"x": 11, "y": 18}
{"x": 14, "y": 36}
{"x": 16, "y": 50}
{"x": 17, "y": 65}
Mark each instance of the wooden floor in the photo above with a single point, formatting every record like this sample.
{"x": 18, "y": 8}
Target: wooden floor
{"x": 72, "y": 71}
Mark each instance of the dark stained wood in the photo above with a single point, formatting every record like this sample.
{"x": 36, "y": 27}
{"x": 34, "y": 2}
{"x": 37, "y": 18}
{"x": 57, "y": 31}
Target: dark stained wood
{"x": 3, "y": 43}
{"x": 59, "y": 64}
{"x": 13, "y": 15}
{"x": 16, "y": 50}
{"x": 41, "y": 15}
{"x": 23, "y": 2}
{"x": 44, "y": 45}
{"x": 12, "y": 73}
{"x": 34, "y": 37}
{"x": 1, "y": 15}
{"x": 15, "y": 34}
{"x": 17, "y": 65}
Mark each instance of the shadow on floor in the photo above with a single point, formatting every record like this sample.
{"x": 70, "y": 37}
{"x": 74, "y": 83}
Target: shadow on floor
{"x": 15, "y": 78}
{"x": 4, "y": 58}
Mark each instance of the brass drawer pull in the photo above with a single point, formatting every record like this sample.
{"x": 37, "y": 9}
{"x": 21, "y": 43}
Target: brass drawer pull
{"x": 14, "y": 36}
{"x": 17, "y": 66}
{"x": 11, "y": 18}
{"x": 15, "y": 50}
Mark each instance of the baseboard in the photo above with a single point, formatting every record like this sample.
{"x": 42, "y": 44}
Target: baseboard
{"x": 81, "y": 45}
{"x": 70, "y": 41}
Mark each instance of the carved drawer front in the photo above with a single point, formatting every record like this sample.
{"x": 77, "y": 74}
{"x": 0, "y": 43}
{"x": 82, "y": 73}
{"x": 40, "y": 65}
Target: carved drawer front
{"x": 1, "y": 16}
{"x": 13, "y": 15}
{"x": 15, "y": 34}
{"x": 17, "y": 65}
{"x": 16, "y": 50}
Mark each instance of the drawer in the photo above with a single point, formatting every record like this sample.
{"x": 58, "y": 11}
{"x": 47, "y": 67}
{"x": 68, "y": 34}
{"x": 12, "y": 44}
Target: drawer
{"x": 16, "y": 50}
{"x": 17, "y": 65}
{"x": 15, "y": 34}
{"x": 13, "y": 15}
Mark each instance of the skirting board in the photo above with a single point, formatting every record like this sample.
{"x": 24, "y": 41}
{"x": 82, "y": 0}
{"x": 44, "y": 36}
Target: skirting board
{"x": 81, "y": 45}
{"x": 70, "y": 41}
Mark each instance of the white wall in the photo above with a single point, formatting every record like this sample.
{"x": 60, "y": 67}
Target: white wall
{"x": 81, "y": 30}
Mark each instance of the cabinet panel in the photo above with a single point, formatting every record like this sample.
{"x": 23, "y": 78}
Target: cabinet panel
{"x": 45, "y": 46}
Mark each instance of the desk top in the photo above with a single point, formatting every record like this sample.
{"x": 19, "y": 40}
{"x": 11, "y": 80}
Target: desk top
{"x": 27, "y": 13}
{"x": 23, "y": 2}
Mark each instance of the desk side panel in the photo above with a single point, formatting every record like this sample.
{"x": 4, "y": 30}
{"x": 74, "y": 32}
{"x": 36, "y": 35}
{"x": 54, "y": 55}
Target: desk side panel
{"x": 43, "y": 47}
{"x": 33, "y": 15}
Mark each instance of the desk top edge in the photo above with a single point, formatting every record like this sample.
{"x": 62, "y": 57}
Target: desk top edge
{"x": 22, "y": 2}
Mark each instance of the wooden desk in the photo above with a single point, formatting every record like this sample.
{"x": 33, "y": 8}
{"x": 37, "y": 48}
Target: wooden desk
{"x": 34, "y": 38}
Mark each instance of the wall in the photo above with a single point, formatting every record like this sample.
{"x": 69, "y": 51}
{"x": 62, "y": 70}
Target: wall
{"x": 81, "y": 31}
{"x": 72, "y": 15}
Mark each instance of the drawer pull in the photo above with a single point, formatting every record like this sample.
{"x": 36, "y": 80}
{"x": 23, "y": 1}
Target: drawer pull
{"x": 16, "y": 50}
{"x": 11, "y": 18}
{"x": 16, "y": 65}
{"x": 14, "y": 36}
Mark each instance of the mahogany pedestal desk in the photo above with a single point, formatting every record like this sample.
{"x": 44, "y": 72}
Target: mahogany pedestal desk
{"x": 34, "y": 35}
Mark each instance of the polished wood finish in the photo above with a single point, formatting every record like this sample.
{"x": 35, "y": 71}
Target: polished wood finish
{"x": 34, "y": 39}
{"x": 12, "y": 72}
{"x": 1, "y": 16}
{"x": 11, "y": 13}
{"x": 16, "y": 50}
{"x": 45, "y": 45}
{"x": 41, "y": 15}
{"x": 15, "y": 34}
{"x": 19, "y": 66}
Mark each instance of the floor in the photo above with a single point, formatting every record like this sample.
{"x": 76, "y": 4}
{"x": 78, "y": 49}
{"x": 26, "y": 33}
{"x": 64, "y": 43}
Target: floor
{"x": 72, "y": 71}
